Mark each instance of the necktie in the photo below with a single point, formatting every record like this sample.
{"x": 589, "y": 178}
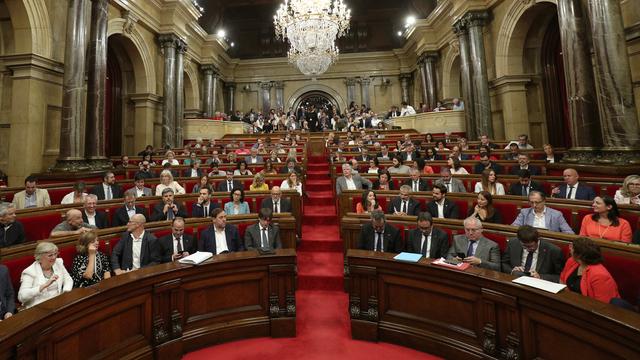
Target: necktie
{"x": 2, "y": 235}
{"x": 415, "y": 186}
{"x": 170, "y": 214}
{"x": 570, "y": 192}
{"x": 448, "y": 185}
{"x": 527, "y": 263}
{"x": 229, "y": 185}
{"x": 275, "y": 207}
{"x": 265, "y": 239}
{"x": 379, "y": 242}
{"x": 470, "y": 249}
{"x": 206, "y": 210}
{"x": 425, "y": 245}
{"x": 525, "y": 190}
{"x": 109, "y": 195}
{"x": 179, "y": 245}
{"x": 404, "y": 206}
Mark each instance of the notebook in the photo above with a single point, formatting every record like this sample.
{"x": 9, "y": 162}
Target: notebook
{"x": 196, "y": 258}
{"x": 408, "y": 257}
{"x": 540, "y": 284}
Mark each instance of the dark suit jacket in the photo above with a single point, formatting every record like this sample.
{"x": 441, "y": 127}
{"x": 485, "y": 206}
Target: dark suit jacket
{"x": 207, "y": 241}
{"x": 116, "y": 191}
{"x": 390, "y": 155}
{"x": 14, "y": 235}
{"x": 122, "y": 254}
{"x": 413, "y": 206}
{"x": 534, "y": 170}
{"x": 451, "y": 210}
{"x": 164, "y": 247}
{"x": 145, "y": 174}
{"x": 187, "y": 172}
{"x": 285, "y": 204}
{"x": 516, "y": 188}
{"x": 439, "y": 243}
{"x": 584, "y": 192}
{"x": 159, "y": 215}
{"x": 7, "y": 295}
{"x": 285, "y": 170}
{"x": 252, "y": 237}
{"x": 414, "y": 156}
{"x": 487, "y": 251}
{"x": 422, "y": 184}
{"x": 102, "y": 220}
{"x": 121, "y": 217}
{"x": 197, "y": 210}
{"x": 550, "y": 259}
{"x": 359, "y": 158}
{"x": 222, "y": 185}
{"x": 479, "y": 168}
{"x": 392, "y": 242}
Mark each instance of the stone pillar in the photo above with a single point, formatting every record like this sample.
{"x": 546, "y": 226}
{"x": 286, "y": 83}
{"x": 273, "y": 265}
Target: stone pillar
{"x": 430, "y": 74}
{"x": 95, "y": 135}
{"x": 214, "y": 91}
{"x": 480, "y": 81}
{"x": 168, "y": 46}
{"x": 265, "y": 88}
{"x": 231, "y": 89}
{"x": 619, "y": 123}
{"x": 364, "y": 90}
{"x": 71, "y": 156}
{"x": 578, "y": 70}
{"x": 460, "y": 29}
{"x": 279, "y": 85}
{"x": 351, "y": 90}
{"x": 207, "y": 89}
{"x": 181, "y": 49}
{"x": 405, "y": 81}
{"x": 423, "y": 78}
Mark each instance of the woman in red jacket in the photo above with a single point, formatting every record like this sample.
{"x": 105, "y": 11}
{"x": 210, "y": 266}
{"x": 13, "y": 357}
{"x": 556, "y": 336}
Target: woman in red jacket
{"x": 584, "y": 273}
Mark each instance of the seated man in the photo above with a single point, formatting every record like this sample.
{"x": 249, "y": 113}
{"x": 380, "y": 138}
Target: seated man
{"x": 92, "y": 216}
{"x": 175, "y": 245}
{"x": 384, "y": 153}
{"x": 523, "y": 161}
{"x": 31, "y": 196}
{"x": 379, "y": 236}
{"x": 229, "y": 184}
{"x": 72, "y": 225}
{"x": 404, "y": 204}
{"x": 11, "y": 230}
{"x": 292, "y": 166}
{"x": 194, "y": 170}
{"x": 204, "y": 205}
{"x": 263, "y": 234}
{"x": 276, "y": 203}
{"x": 572, "y": 189}
{"x": 123, "y": 214}
{"x": 531, "y": 256}
{"x": 452, "y": 185}
{"x": 214, "y": 170}
{"x": 475, "y": 249}
{"x": 108, "y": 189}
{"x": 441, "y": 207}
{"x": 514, "y": 152}
{"x": 220, "y": 237}
{"x": 427, "y": 240}
{"x": 525, "y": 185}
{"x": 135, "y": 249}
{"x": 350, "y": 181}
{"x": 415, "y": 182}
{"x": 484, "y": 140}
{"x": 542, "y": 217}
{"x": 7, "y": 295}
{"x": 253, "y": 157}
{"x": 167, "y": 209}
{"x": 486, "y": 163}
{"x": 139, "y": 188}
{"x": 397, "y": 167}
{"x": 364, "y": 155}
{"x": 145, "y": 171}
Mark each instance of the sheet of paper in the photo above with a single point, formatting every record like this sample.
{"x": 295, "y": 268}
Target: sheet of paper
{"x": 540, "y": 284}
{"x": 408, "y": 257}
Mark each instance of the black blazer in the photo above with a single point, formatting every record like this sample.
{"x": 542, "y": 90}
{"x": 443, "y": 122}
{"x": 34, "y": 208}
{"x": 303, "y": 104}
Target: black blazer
{"x": 584, "y": 192}
{"x": 7, "y": 296}
{"x": 164, "y": 247}
{"x": 222, "y": 185}
{"x": 534, "y": 170}
{"x": 187, "y": 173}
{"x": 121, "y": 217}
{"x": 122, "y": 254}
{"x": 285, "y": 170}
{"x": 285, "y": 204}
{"x": 414, "y": 155}
{"x": 159, "y": 215}
{"x": 207, "y": 241}
{"x": 392, "y": 242}
{"x": 479, "y": 168}
{"x": 116, "y": 191}
{"x": 197, "y": 210}
{"x": 145, "y": 174}
{"x": 550, "y": 259}
{"x": 413, "y": 207}
{"x": 439, "y": 243}
{"x": 102, "y": 220}
{"x": 422, "y": 184}
{"x": 450, "y": 209}
{"x": 13, "y": 236}
{"x": 516, "y": 188}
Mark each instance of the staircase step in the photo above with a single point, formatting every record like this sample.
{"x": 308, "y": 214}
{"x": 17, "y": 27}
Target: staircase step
{"x": 321, "y": 219}
{"x": 320, "y": 270}
{"x": 325, "y": 233}
{"x": 321, "y": 210}
{"x": 313, "y": 199}
{"x": 328, "y": 283}
{"x": 321, "y": 245}
{"x": 318, "y": 185}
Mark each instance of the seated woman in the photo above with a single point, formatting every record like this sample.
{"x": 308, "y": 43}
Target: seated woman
{"x": 421, "y": 165}
{"x": 258, "y": 183}
{"x": 630, "y": 191}
{"x": 482, "y": 150}
{"x": 384, "y": 181}
{"x": 292, "y": 182}
{"x": 77, "y": 195}
{"x": 232, "y": 157}
{"x": 550, "y": 156}
{"x": 90, "y": 266}
{"x": 192, "y": 159}
{"x": 440, "y": 146}
{"x": 606, "y": 223}
{"x": 369, "y": 203}
{"x": 268, "y": 168}
{"x": 489, "y": 182}
{"x": 170, "y": 157}
{"x": 46, "y": 278}
{"x": 428, "y": 138}
{"x": 584, "y": 273}
{"x": 166, "y": 181}
{"x": 484, "y": 210}
{"x": 149, "y": 158}
{"x": 431, "y": 154}
{"x": 202, "y": 183}
{"x": 237, "y": 205}
{"x": 456, "y": 167}
{"x": 463, "y": 144}
{"x": 374, "y": 166}
{"x": 242, "y": 169}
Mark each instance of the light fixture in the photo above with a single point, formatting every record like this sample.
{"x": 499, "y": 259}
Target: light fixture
{"x": 410, "y": 20}
{"x": 312, "y": 27}
{"x": 221, "y": 33}
{"x": 399, "y": 33}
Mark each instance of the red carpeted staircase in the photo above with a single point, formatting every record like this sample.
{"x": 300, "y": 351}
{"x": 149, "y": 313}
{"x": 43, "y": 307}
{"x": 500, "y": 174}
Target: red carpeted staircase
{"x": 323, "y": 325}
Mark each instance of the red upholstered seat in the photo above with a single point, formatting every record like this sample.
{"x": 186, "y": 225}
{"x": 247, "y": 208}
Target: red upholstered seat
{"x": 500, "y": 239}
{"x": 624, "y": 271}
{"x": 188, "y": 204}
{"x": 242, "y": 227}
{"x": 38, "y": 227}
{"x": 509, "y": 212}
{"x": 67, "y": 254}
{"x": 463, "y": 208}
{"x": 56, "y": 194}
{"x": 16, "y": 266}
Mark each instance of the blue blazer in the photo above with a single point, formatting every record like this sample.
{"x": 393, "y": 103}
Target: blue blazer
{"x": 7, "y": 296}
{"x": 553, "y": 220}
{"x": 207, "y": 240}
{"x": 244, "y": 208}
{"x": 584, "y": 192}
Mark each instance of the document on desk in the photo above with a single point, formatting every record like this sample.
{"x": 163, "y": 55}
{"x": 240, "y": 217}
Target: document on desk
{"x": 408, "y": 257}
{"x": 196, "y": 258}
{"x": 540, "y": 284}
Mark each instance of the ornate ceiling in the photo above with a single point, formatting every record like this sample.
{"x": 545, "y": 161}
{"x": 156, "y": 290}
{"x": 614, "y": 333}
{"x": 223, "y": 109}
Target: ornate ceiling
{"x": 249, "y": 24}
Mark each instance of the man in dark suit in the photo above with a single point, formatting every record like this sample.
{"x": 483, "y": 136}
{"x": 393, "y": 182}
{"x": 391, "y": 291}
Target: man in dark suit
{"x": 108, "y": 189}
{"x": 384, "y": 153}
{"x": 292, "y": 166}
{"x": 525, "y": 185}
{"x": 523, "y": 161}
{"x": 135, "y": 248}
{"x": 441, "y": 207}
{"x": 263, "y": 234}
{"x": 486, "y": 163}
{"x": 145, "y": 171}
{"x": 409, "y": 153}
{"x": 229, "y": 184}
{"x": 194, "y": 170}
{"x": 572, "y": 189}
{"x": 404, "y": 204}
{"x": 474, "y": 248}
{"x": 92, "y": 216}
{"x": 231, "y": 241}
{"x": 11, "y": 230}
{"x": 276, "y": 203}
{"x": 415, "y": 182}
{"x": 204, "y": 206}
{"x": 175, "y": 245}
{"x": 364, "y": 156}
{"x": 124, "y": 213}
{"x": 167, "y": 209}
{"x": 379, "y": 236}
{"x": 529, "y": 255}
{"x": 427, "y": 240}
{"x": 7, "y": 296}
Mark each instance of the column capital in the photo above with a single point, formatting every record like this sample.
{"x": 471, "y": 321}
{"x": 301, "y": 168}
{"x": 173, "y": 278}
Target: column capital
{"x": 477, "y": 18}
{"x": 181, "y": 46}
{"x": 460, "y": 27}
{"x": 430, "y": 56}
{"x": 230, "y": 85}
{"x": 365, "y": 81}
{"x": 406, "y": 76}
{"x": 168, "y": 40}
{"x": 209, "y": 69}
{"x": 278, "y": 84}
{"x": 265, "y": 85}
{"x": 350, "y": 81}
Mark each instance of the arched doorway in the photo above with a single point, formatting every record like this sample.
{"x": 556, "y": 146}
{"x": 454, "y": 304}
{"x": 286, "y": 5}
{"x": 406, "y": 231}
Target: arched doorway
{"x": 120, "y": 84}
{"x": 319, "y": 99}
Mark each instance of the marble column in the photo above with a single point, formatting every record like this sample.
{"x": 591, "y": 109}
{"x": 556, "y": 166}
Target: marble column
{"x": 181, "y": 49}
{"x": 405, "y": 81}
{"x": 95, "y": 135}
{"x": 71, "y": 156}
{"x": 578, "y": 70}
{"x": 619, "y": 122}
{"x": 214, "y": 91}
{"x": 364, "y": 90}
{"x": 423, "y": 78}
{"x": 279, "y": 85}
{"x": 430, "y": 74}
{"x": 460, "y": 29}
{"x": 230, "y": 87}
{"x": 351, "y": 90}
{"x": 168, "y": 46}
{"x": 480, "y": 80}
{"x": 207, "y": 89}
{"x": 265, "y": 89}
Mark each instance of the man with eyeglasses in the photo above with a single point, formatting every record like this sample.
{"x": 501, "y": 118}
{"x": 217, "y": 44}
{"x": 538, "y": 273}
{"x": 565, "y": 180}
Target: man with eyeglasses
{"x": 473, "y": 248}
{"x": 542, "y": 217}
{"x": 379, "y": 236}
{"x": 135, "y": 249}
{"x": 531, "y": 256}
{"x": 427, "y": 240}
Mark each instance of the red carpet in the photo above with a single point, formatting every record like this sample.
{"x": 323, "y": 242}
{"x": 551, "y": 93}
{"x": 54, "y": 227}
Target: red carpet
{"x": 323, "y": 326}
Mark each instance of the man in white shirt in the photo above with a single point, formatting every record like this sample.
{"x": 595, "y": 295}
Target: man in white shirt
{"x": 540, "y": 216}
{"x": 220, "y": 237}
{"x": 135, "y": 248}
{"x": 407, "y": 109}
{"x": 350, "y": 181}
{"x": 91, "y": 216}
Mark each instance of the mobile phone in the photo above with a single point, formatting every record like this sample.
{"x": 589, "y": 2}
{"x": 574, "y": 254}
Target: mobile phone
{"x": 527, "y": 273}
{"x": 461, "y": 255}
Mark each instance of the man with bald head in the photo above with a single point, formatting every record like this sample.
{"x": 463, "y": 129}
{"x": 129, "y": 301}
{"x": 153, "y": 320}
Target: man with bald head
{"x": 572, "y": 189}
{"x": 276, "y": 202}
{"x": 136, "y": 248}
{"x": 72, "y": 225}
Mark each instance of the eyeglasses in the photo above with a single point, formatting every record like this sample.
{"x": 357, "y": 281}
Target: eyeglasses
{"x": 472, "y": 229}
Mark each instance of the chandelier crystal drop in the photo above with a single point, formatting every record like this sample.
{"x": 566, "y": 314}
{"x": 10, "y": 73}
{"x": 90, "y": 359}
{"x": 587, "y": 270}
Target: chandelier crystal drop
{"x": 312, "y": 27}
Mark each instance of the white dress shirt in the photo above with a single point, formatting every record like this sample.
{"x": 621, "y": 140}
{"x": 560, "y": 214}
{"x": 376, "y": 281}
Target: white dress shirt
{"x": 440, "y": 205}
{"x": 426, "y": 241}
{"x": 538, "y": 219}
{"x": 91, "y": 219}
{"x": 136, "y": 249}
{"x": 350, "y": 184}
{"x": 221, "y": 241}
{"x": 534, "y": 261}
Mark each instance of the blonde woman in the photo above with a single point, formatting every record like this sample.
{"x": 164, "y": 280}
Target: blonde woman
{"x": 258, "y": 183}
{"x": 630, "y": 191}
{"x": 292, "y": 182}
{"x": 170, "y": 157}
{"x": 46, "y": 278}
{"x": 166, "y": 181}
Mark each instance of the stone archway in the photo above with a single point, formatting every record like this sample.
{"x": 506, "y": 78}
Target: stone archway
{"x": 331, "y": 94}
{"x": 451, "y": 72}
{"x": 320, "y": 99}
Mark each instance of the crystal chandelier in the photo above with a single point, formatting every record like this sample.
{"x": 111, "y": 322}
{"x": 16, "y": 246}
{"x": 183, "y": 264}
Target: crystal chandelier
{"x": 312, "y": 27}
